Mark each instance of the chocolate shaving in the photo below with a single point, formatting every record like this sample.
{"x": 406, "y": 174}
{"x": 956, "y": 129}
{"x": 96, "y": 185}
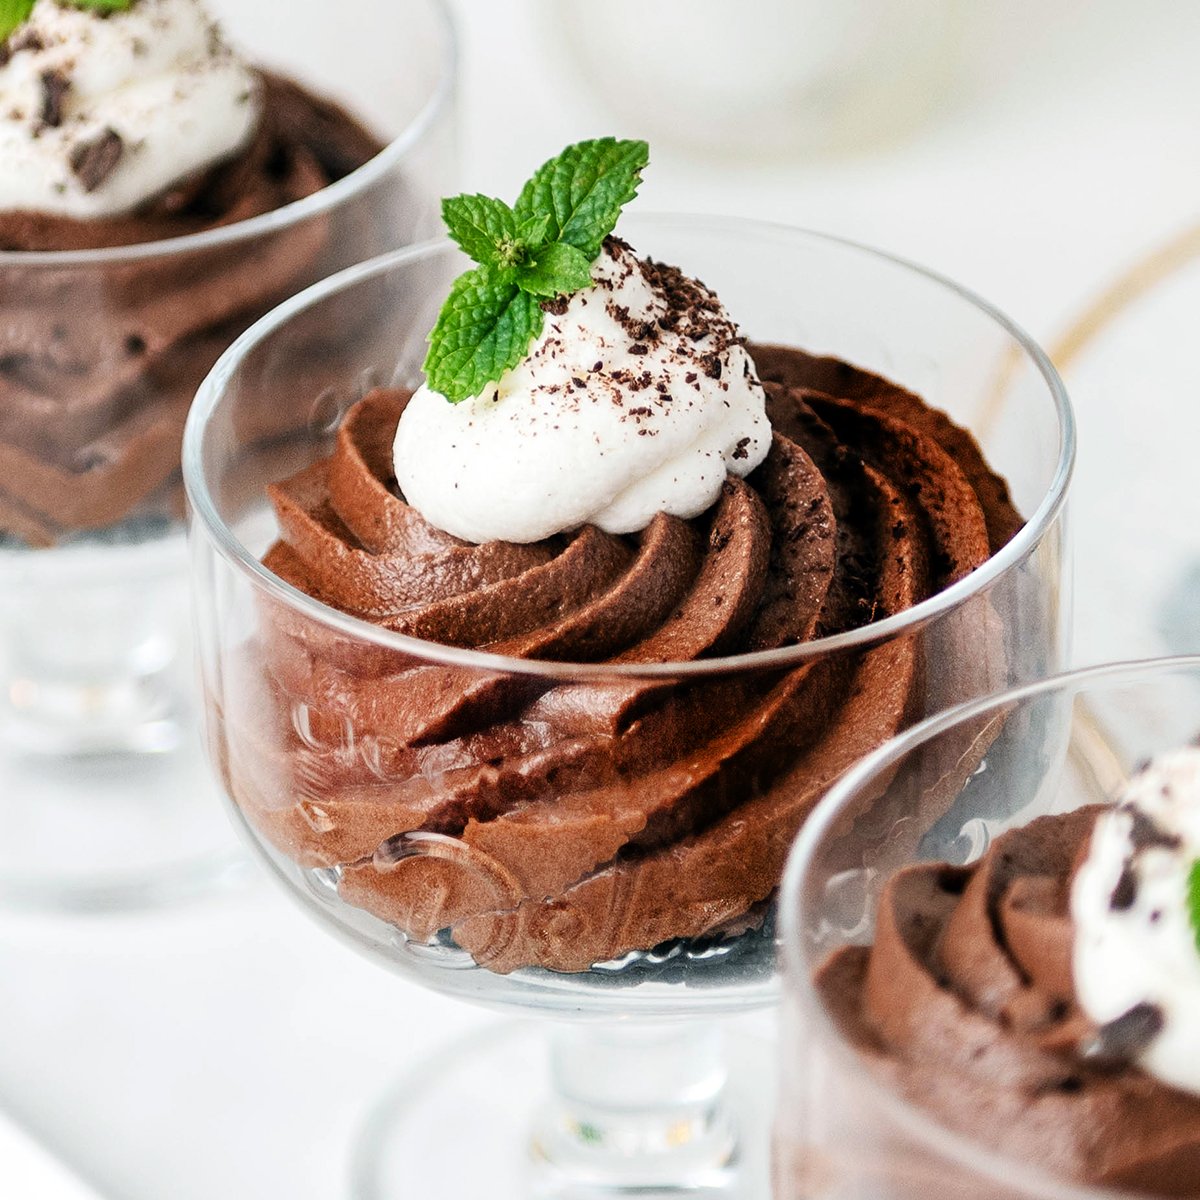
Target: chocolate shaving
{"x": 1125, "y": 893}
{"x": 1147, "y": 833}
{"x": 55, "y": 86}
{"x": 27, "y": 39}
{"x": 93, "y": 162}
{"x": 1118, "y": 1043}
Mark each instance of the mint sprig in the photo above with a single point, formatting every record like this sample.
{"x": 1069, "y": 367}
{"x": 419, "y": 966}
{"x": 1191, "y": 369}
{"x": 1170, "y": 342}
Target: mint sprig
{"x": 584, "y": 190}
{"x": 538, "y": 249}
{"x": 14, "y": 13}
{"x": 1194, "y": 900}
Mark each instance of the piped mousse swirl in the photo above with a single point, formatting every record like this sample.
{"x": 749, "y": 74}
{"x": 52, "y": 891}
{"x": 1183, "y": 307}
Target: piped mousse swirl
{"x": 969, "y": 1002}
{"x": 99, "y": 362}
{"x": 556, "y": 824}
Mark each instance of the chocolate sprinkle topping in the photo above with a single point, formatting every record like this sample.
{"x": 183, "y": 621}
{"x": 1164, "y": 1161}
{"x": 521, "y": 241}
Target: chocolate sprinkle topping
{"x": 27, "y": 39}
{"x": 1125, "y": 893}
{"x": 93, "y": 162}
{"x": 1147, "y": 834}
{"x": 55, "y": 86}
{"x": 1118, "y": 1043}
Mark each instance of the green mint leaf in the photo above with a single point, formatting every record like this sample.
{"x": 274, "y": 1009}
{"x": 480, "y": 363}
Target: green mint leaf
{"x": 485, "y": 228}
{"x": 1194, "y": 900}
{"x": 533, "y": 230}
{"x": 584, "y": 189}
{"x": 103, "y": 5}
{"x": 557, "y": 270}
{"x": 484, "y": 328}
{"x": 13, "y": 14}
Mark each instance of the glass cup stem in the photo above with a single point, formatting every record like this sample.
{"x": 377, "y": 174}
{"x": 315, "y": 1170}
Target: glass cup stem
{"x": 638, "y": 1108}
{"x": 92, "y": 665}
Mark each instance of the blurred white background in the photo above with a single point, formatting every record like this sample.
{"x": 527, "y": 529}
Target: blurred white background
{"x": 1061, "y": 144}
{"x": 1030, "y": 149}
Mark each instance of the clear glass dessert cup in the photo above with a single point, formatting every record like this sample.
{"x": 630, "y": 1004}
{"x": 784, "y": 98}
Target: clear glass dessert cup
{"x": 640, "y": 1070}
{"x": 104, "y": 798}
{"x": 931, "y": 795}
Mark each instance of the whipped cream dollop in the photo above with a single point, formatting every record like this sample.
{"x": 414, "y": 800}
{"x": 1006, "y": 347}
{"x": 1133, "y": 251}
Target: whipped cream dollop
{"x": 1136, "y": 960}
{"x": 101, "y": 112}
{"x": 637, "y": 398}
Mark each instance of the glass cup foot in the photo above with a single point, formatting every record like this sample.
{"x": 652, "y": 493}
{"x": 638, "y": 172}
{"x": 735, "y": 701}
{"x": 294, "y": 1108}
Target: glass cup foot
{"x": 111, "y": 832}
{"x": 478, "y": 1119}
{"x": 106, "y": 801}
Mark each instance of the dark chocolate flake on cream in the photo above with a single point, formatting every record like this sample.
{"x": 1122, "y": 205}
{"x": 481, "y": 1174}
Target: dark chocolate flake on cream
{"x": 55, "y": 86}
{"x": 1119, "y": 1043}
{"x": 24, "y": 39}
{"x": 94, "y": 161}
{"x": 1146, "y": 834}
{"x": 1124, "y": 895}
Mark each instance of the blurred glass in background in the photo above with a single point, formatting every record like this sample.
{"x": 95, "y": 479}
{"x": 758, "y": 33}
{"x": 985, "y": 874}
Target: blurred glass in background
{"x": 768, "y": 77}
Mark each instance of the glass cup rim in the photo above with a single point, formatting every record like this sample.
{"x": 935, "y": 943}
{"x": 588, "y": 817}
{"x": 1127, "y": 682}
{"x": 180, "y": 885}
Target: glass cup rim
{"x": 289, "y": 215}
{"x": 203, "y": 509}
{"x": 797, "y": 977}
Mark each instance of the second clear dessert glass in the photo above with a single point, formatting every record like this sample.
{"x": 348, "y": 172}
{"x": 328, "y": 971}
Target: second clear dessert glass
{"x": 929, "y": 796}
{"x": 104, "y": 800}
{"x": 302, "y": 703}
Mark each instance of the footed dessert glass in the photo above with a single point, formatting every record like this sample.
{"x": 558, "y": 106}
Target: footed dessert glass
{"x": 302, "y": 702}
{"x": 104, "y": 799}
{"x": 932, "y": 796}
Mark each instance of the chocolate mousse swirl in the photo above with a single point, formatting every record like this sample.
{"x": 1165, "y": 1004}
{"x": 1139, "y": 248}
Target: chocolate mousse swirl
{"x": 564, "y": 824}
{"x": 966, "y": 1005}
{"x": 99, "y": 362}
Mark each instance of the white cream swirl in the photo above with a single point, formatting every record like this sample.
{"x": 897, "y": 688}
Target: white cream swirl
{"x": 1134, "y": 941}
{"x": 101, "y": 112}
{"x": 637, "y": 398}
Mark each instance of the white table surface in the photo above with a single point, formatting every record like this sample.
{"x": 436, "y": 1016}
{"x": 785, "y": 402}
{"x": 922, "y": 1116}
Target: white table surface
{"x": 228, "y": 1049}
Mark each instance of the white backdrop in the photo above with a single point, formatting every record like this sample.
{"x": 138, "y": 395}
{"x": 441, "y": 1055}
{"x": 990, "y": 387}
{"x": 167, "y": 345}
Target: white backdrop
{"x": 228, "y": 1049}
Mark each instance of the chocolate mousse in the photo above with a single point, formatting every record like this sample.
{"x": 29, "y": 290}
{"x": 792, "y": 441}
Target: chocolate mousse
{"x": 99, "y": 360}
{"x": 565, "y": 825}
{"x": 626, "y": 483}
{"x": 969, "y": 1005}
